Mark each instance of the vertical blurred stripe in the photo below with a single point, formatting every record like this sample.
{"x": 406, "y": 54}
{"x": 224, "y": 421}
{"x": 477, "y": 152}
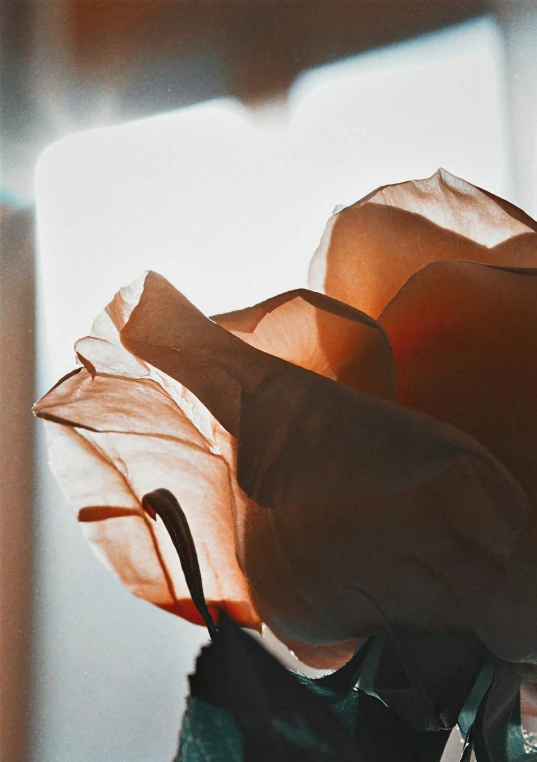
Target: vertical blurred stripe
{"x": 17, "y": 383}
{"x": 518, "y": 22}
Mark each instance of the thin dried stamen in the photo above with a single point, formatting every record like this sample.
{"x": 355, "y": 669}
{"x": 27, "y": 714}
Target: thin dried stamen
{"x": 163, "y": 503}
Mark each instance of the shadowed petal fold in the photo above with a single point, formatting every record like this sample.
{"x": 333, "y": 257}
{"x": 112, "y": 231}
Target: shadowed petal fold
{"x": 363, "y": 496}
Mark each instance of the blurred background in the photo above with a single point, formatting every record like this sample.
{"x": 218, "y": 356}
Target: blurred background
{"x": 209, "y": 141}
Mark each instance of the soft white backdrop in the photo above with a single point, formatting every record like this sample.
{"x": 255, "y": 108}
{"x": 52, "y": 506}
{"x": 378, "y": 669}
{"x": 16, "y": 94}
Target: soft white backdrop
{"x": 229, "y": 205}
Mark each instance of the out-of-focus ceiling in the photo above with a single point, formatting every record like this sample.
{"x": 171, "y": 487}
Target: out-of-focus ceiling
{"x": 259, "y": 46}
{"x": 141, "y": 57}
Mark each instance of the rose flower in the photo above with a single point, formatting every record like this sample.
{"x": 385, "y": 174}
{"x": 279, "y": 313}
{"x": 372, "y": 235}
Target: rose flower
{"x": 360, "y": 452}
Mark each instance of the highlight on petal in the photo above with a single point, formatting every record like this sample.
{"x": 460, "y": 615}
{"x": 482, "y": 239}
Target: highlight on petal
{"x": 303, "y": 327}
{"x": 456, "y": 205}
{"x": 370, "y": 249}
{"x": 320, "y": 334}
{"x": 346, "y": 489}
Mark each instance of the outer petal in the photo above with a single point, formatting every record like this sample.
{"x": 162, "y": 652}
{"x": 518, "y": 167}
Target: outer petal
{"x": 369, "y": 250}
{"x": 464, "y": 337}
{"x": 370, "y": 498}
{"x": 357, "y": 494}
{"x": 123, "y": 430}
{"x": 320, "y": 334}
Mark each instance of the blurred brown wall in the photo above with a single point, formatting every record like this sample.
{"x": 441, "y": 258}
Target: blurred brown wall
{"x": 17, "y": 391}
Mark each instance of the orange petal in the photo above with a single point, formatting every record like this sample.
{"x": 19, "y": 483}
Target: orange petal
{"x": 320, "y": 334}
{"x": 462, "y": 336}
{"x": 463, "y": 342}
{"x": 164, "y": 330}
{"x": 104, "y": 475}
{"x": 369, "y": 250}
{"x": 356, "y": 494}
{"x": 114, "y": 438}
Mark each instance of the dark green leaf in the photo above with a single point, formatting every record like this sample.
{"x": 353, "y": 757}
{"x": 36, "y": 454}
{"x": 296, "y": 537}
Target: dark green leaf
{"x": 491, "y": 725}
{"x": 516, "y": 742}
{"x": 412, "y": 688}
{"x": 490, "y": 718}
{"x": 340, "y": 688}
{"x": 425, "y": 677}
{"x": 475, "y": 697}
{"x": 382, "y": 736}
{"x": 278, "y": 718}
{"x": 208, "y": 735}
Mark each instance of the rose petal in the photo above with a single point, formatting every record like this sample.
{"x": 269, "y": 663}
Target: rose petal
{"x": 94, "y": 486}
{"x": 462, "y": 335}
{"x": 456, "y": 205}
{"x": 104, "y": 473}
{"x": 321, "y": 334}
{"x": 151, "y": 335}
{"x": 102, "y": 351}
{"x": 115, "y": 438}
{"x": 367, "y": 496}
{"x": 357, "y": 493}
{"x": 463, "y": 342}
{"x": 369, "y": 250}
